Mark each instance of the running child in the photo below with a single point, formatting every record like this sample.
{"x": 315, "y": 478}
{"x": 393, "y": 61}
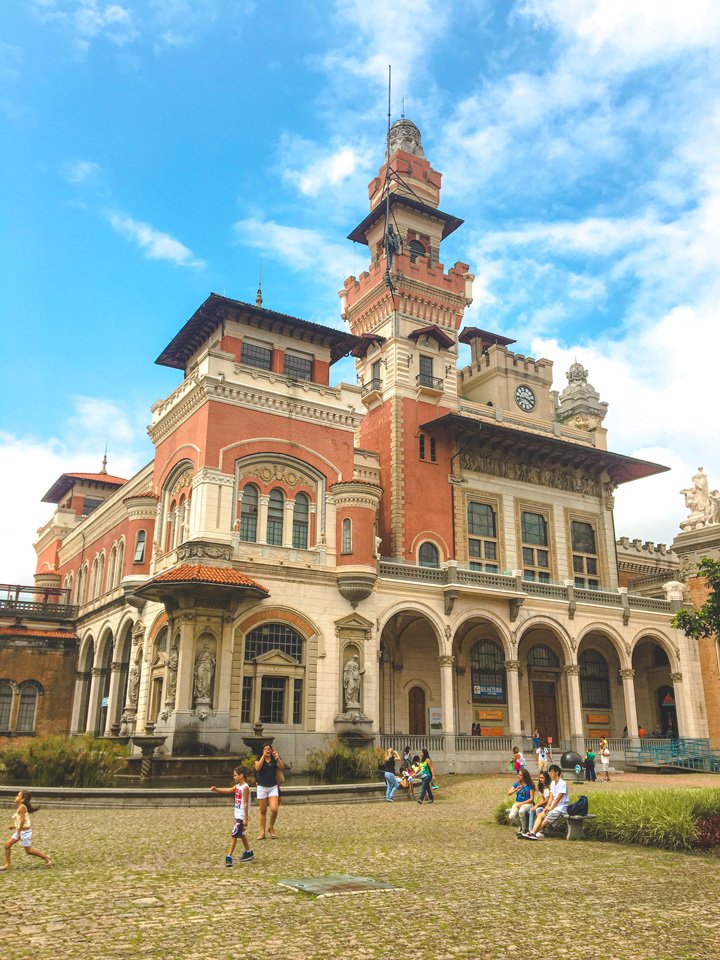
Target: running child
{"x": 22, "y": 831}
{"x": 242, "y": 809}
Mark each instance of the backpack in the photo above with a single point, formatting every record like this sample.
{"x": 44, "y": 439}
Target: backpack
{"x": 579, "y": 808}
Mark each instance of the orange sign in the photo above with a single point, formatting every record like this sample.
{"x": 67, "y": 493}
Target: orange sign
{"x": 492, "y": 731}
{"x": 488, "y": 715}
{"x": 598, "y": 718}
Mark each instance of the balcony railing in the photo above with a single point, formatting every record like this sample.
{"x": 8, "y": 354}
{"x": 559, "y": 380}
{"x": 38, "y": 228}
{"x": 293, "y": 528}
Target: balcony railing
{"x": 458, "y": 577}
{"x": 427, "y": 382}
{"x": 52, "y": 611}
{"x": 372, "y": 386}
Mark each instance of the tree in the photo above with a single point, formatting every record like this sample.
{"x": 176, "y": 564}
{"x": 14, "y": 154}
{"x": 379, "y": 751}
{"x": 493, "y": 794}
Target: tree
{"x": 705, "y": 622}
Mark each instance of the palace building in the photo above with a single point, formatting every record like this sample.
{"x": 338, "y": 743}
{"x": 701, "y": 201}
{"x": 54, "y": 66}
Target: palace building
{"x": 449, "y": 526}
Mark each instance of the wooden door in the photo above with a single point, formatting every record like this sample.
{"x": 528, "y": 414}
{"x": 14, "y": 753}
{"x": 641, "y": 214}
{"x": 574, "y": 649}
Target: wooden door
{"x": 545, "y": 710}
{"x": 417, "y": 713}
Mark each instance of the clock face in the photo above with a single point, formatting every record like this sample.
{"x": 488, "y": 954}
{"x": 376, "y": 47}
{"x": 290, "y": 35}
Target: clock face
{"x": 525, "y": 398}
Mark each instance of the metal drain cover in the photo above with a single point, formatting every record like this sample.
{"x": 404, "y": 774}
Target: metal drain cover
{"x": 336, "y": 885}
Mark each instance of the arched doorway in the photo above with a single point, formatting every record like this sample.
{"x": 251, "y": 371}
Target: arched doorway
{"x": 409, "y": 674}
{"x": 85, "y": 675}
{"x": 667, "y": 712}
{"x": 544, "y": 672}
{"x": 653, "y": 684}
{"x": 417, "y": 712}
{"x": 103, "y": 701}
{"x": 481, "y": 694}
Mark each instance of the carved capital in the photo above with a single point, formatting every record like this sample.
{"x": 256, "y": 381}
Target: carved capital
{"x": 627, "y": 674}
{"x": 512, "y": 665}
{"x": 572, "y": 670}
{"x": 676, "y": 677}
{"x": 446, "y": 660}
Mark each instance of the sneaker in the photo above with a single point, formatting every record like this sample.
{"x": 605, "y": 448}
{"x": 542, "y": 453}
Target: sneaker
{"x": 228, "y": 861}
{"x": 531, "y": 836}
{"x": 247, "y": 856}
{"x": 540, "y": 836}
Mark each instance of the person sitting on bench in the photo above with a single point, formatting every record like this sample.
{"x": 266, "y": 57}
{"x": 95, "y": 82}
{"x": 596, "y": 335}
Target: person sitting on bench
{"x": 558, "y": 805}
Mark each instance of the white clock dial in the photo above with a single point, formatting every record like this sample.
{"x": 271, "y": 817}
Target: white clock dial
{"x": 525, "y": 398}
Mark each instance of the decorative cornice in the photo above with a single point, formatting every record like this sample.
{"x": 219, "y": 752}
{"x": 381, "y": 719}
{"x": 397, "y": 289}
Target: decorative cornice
{"x": 354, "y": 493}
{"x": 475, "y": 461}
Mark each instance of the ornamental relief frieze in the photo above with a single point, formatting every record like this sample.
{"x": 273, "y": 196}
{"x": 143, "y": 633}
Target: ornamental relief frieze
{"x": 570, "y": 480}
{"x": 183, "y": 481}
{"x": 278, "y": 473}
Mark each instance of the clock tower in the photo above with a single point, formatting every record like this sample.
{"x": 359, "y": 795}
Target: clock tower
{"x": 408, "y": 309}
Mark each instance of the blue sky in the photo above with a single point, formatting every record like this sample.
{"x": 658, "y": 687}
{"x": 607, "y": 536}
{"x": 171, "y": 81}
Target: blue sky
{"x": 154, "y": 151}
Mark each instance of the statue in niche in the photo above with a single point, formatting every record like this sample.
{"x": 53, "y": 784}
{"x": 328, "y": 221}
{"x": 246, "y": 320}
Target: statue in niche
{"x": 351, "y": 682}
{"x": 172, "y": 668}
{"x": 133, "y": 684}
{"x": 204, "y": 673}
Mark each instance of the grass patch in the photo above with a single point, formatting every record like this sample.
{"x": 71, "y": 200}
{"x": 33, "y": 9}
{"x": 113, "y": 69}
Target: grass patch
{"x": 65, "y": 761}
{"x": 672, "y": 819}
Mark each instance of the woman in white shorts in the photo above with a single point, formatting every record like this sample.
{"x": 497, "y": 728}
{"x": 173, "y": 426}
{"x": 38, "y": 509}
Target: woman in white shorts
{"x": 605, "y": 760}
{"x": 268, "y": 791}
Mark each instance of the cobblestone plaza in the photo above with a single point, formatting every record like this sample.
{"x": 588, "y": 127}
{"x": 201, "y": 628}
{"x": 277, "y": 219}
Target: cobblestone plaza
{"x": 151, "y": 882}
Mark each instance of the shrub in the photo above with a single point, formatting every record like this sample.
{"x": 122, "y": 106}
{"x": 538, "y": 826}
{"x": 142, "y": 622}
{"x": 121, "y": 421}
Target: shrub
{"x": 65, "y": 761}
{"x": 673, "y": 819}
{"x": 338, "y": 762}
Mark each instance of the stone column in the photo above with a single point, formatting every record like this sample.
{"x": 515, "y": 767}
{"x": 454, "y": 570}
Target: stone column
{"x": 447, "y": 663}
{"x": 685, "y": 727}
{"x": 288, "y": 524}
{"x": 263, "y": 501}
{"x": 512, "y": 669}
{"x": 81, "y": 678}
{"x": 631, "y": 722}
{"x": 577, "y": 737}
{"x": 186, "y": 662}
{"x": 112, "y": 727}
{"x": 96, "y": 685}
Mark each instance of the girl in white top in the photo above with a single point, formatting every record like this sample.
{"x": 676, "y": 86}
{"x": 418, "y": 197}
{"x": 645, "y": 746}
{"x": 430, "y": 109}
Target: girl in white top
{"x": 605, "y": 759}
{"x": 22, "y": 831}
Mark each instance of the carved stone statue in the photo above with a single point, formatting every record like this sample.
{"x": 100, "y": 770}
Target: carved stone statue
{"x": 703, "y": 504}
{"x": 204, "y": 673}
{"x": 172, "y": 668}
{"x": 579, "y": 405}
{"x": 133, "y": 684}
{"x": 351, "y": 682}
{"x": 378, "y": 545}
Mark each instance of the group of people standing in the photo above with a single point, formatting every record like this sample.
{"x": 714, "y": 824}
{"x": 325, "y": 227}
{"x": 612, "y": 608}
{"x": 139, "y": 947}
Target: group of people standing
{"x": 412, "y": 770}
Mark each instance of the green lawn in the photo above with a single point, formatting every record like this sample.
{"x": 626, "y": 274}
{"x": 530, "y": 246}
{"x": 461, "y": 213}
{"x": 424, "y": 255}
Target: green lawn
{"x": 152, "y": 882}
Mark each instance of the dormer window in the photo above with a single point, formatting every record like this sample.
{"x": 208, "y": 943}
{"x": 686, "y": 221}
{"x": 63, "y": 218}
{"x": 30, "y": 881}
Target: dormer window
{"x": 253, "y": 355}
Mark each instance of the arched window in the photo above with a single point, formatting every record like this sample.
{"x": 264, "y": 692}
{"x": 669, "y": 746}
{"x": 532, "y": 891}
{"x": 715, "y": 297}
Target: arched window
{"x": 278, "y": 698}
{"x": 428, "y": 555}
{"x": 27, "y": 708}
{"x": 594, "y": 679}
{"x": 417, "y": 249}
{"x": 301, "y": 519}
{"x": 487, "y": 672}
{"x": 101, "y": 576}
{"x": 347, "y": 535}
{"x": 276, "y": 514}
{"x": 6, "y": 698}
{"x": 170, "y": 526}
{"x": 119, "y": 570}
{"x": 92, "y": 585}
{"x": 274, "y": 636}
{"x": 542, "y": 656}
{"x": 140, "y": 547}
{"x": 249, "y": 513}
{"x": 112, "y": 564}
{"x": 161, "y": 641}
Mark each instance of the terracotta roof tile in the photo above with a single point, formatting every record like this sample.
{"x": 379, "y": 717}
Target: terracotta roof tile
{"x": 100, "y": 477}
{"x": 36, "y": 632}
{"x": 201, "y": 573}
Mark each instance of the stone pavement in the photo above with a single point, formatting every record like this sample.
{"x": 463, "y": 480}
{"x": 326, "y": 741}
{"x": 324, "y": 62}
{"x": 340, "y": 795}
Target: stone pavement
{"x": 151, "y": 882}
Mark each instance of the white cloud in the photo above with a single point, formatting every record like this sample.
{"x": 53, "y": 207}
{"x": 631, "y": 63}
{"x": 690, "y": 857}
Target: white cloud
{"x": 80, "y": 171}
{"x": 301, "y": 249}
{"x": 322, "y": 169}
{"x": 660, "y": 383}
{"x": 630, "y": 33}
{"x": 155, "y": 244}
{"x": 40, "y": 461}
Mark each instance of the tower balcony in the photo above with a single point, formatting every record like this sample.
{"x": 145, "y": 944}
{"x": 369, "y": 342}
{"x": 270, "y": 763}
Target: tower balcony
{"x": 371, "y": 391}
{"x": 429, "y": 386}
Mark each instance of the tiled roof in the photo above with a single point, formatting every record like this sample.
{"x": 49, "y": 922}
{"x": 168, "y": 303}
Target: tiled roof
{"x": 66, "y": 480}
{"x": 36, "y": 632}
{"x": 201, "y": 573}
